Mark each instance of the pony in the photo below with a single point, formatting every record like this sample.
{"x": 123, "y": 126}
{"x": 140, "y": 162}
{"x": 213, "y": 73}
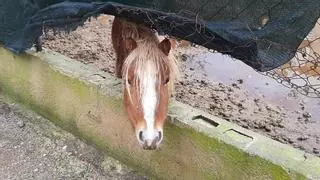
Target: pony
{"x": 149, "y": 70}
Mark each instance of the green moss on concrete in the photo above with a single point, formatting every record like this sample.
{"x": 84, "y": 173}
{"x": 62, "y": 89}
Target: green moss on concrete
{"x": 100, "y": 120}
{"x": 232, "y": 163}
{"x": 43, "y": 110}
{"x": 121, "y": 155}
{"x": 246, "y": 166}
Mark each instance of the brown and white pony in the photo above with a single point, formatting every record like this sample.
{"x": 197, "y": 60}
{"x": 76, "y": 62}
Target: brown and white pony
{"x": 149, "y": 70}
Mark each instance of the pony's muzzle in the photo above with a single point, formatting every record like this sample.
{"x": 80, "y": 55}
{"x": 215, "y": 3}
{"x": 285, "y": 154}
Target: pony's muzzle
{"x": 150, "y": 141}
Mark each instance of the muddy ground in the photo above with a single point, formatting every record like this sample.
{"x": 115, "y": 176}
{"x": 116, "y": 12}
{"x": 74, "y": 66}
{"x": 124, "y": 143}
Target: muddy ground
{"x": 32, "y": 147}
{"x": 91, "y": 44}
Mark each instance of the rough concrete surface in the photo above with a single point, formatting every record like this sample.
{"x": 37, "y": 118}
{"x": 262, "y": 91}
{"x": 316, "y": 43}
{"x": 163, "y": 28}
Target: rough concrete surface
{"x": 32, "y": 147}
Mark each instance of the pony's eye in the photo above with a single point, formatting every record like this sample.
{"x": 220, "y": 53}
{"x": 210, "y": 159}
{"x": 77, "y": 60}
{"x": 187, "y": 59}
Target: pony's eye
{"x": 129, "y": 81}
{"x": 167, "y": 80}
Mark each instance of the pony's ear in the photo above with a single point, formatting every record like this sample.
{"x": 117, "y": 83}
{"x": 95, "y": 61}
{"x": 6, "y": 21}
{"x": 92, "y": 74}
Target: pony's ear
{"x": 165, "y": 46}
{"x": 130, "y": 44}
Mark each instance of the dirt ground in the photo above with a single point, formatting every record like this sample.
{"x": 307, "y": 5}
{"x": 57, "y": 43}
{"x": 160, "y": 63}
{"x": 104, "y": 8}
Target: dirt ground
{"x": 32, "y": 147}
{"x": 91, "y": 44}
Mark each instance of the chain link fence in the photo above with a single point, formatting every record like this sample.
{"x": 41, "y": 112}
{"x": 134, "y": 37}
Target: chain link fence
{"x": 302, "y": 72}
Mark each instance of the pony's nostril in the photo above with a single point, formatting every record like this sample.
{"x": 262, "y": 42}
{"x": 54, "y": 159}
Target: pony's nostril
{"x": 159, "y": 135}
{"x": 141, "y": 135}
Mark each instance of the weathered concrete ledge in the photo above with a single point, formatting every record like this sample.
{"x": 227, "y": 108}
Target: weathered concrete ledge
{"x": 88, "y": 103}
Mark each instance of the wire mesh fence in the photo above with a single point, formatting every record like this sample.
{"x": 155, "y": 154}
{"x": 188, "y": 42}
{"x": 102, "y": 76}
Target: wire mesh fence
{"x": 303, "y": 71}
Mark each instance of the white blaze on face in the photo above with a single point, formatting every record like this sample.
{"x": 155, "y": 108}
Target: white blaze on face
{"x": 149, "y": 100}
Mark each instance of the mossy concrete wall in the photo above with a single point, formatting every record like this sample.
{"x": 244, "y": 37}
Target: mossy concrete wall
{"x": 88, "y": 103}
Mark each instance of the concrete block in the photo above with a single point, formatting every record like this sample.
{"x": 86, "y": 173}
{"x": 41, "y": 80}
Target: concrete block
{"x": 88, "y": 103}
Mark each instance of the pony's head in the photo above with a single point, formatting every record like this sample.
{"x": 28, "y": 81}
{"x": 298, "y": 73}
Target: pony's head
{"x": 148, "y": 72}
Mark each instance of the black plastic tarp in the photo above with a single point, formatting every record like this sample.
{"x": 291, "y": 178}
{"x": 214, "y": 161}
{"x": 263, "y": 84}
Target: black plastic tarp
{"x": 264, "y": 34}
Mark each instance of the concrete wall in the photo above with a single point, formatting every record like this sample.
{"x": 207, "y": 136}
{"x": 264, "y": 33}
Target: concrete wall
{"x": 88, "y": 103}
